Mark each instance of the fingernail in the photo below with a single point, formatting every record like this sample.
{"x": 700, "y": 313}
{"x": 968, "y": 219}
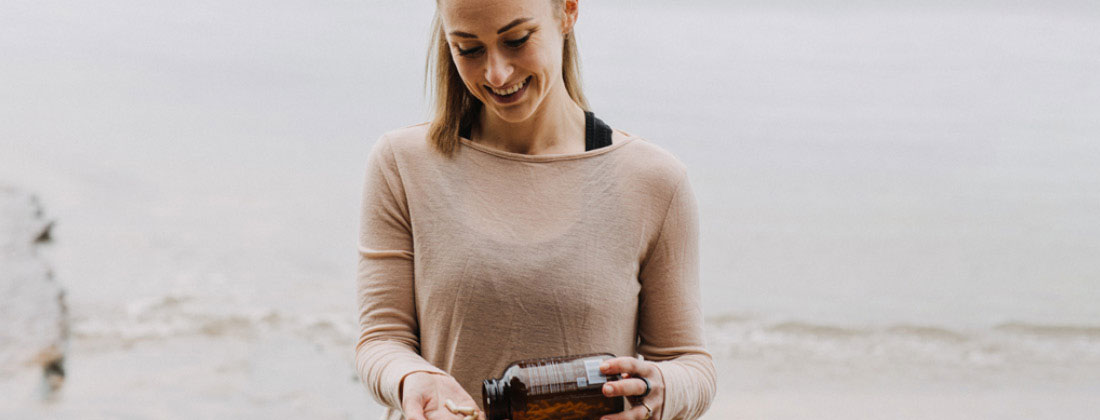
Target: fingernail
{"x": 604, "y": 366}
{"x": 607, "y": 388}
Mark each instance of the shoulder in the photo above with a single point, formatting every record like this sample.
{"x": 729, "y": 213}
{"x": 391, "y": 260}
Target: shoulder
{"x": 405, "y": 144}
{"x": 406, "y": 139}
{"x": 650, "y": 163}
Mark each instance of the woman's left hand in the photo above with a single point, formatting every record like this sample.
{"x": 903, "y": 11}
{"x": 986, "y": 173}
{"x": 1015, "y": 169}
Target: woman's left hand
{"x": 631, "y": 386}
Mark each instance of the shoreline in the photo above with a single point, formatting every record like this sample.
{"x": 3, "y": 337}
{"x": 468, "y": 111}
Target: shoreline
{"x": 242, "y": 374}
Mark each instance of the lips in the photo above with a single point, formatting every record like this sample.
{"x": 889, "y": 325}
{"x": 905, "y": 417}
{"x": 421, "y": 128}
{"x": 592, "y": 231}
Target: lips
{"x": 510, "y": 94}
{"x": 511, "y": 88}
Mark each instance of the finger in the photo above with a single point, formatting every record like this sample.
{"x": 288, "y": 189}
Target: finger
{"x": 634, "y": 413}
{"x": 624, "y": 388}
{"x": 621, "y": 365}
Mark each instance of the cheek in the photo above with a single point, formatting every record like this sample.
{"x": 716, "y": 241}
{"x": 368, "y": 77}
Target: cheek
{"x": 547, "y": 61}
{"x": 468, "y": 73}
{"x": 535, "y": 63}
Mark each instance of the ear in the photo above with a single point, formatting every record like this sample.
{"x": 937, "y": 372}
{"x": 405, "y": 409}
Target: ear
{"x": 569, "y": 15}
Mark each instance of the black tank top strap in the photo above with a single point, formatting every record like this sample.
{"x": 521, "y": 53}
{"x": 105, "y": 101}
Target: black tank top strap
{"x": 597, "y": 134}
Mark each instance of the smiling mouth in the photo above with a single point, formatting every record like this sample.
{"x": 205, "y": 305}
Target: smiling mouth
{"x": 510, "y": 91}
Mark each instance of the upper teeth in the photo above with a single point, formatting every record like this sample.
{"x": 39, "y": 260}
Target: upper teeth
{"x": 509, "y": 91}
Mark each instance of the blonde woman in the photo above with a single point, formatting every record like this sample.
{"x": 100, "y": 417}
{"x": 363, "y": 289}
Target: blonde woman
{"x": 515, "y": 225}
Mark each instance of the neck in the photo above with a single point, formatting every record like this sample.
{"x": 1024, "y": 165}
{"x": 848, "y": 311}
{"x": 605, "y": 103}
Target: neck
{"x": 556, "y": 127}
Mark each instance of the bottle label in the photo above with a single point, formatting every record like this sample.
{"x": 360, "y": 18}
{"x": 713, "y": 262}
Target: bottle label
{"x": 592, "y": 369}
{"x": 550, "y": 378}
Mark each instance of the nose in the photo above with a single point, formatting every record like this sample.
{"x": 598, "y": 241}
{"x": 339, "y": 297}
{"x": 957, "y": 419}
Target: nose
{"x": 497, "y": 69}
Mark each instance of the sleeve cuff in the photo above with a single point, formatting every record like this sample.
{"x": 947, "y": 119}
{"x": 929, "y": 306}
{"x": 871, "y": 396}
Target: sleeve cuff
{"x": 668, "y": 375}
{"x": 401, "y": 382}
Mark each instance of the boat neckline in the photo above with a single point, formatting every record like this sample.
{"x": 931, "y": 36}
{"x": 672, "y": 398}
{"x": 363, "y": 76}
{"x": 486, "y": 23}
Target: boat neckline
{"x": 547, "y": 157}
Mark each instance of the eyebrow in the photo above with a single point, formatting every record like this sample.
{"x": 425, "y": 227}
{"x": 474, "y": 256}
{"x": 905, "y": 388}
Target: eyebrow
{"x": 499, "y": 31}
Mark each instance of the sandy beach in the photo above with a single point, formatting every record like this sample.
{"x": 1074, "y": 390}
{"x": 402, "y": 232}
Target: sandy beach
{"x": 241, "y": 372}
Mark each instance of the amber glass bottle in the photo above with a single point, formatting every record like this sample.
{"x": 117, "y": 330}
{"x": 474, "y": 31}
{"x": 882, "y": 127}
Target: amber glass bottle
{"x": 553, "y": 388}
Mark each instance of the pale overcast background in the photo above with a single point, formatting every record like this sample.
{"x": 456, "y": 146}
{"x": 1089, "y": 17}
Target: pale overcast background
{"x": 899, "y": 200}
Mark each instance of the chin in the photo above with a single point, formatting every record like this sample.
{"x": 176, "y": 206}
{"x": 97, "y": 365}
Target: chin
{"x": 513, "y": 114}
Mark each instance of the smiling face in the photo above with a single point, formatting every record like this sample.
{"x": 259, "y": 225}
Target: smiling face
{"x": 508, "y": 52}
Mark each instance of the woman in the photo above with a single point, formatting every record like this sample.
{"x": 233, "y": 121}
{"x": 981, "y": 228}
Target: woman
{"x": 516, "y": 225}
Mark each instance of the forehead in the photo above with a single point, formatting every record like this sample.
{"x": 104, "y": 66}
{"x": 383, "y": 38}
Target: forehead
{"x": 488, "y": 15}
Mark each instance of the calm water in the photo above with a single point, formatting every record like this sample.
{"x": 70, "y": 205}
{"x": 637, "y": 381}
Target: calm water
{"x": 870, "y": 177}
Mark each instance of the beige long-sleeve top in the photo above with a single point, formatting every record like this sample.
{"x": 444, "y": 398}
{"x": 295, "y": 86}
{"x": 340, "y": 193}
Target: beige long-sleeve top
{"x": 469, "y": 263}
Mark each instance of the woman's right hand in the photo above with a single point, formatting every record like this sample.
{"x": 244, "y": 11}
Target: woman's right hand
{"x": 424, "y": 396}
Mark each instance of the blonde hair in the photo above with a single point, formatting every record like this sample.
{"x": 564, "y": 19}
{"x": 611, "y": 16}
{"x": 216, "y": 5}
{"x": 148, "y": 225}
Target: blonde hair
{"x": 453, "y": 105}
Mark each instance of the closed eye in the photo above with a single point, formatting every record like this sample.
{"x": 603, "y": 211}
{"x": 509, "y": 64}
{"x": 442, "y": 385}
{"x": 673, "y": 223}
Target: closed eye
{"x": 469, "y": 52}
{"x": 517, "y": 42}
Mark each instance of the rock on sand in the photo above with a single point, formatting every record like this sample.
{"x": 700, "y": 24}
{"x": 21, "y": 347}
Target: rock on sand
{"x": 34, "y": 327}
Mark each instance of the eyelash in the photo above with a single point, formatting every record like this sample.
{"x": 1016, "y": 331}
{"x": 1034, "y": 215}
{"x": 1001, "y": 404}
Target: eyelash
{"x": 514, "y": 44}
